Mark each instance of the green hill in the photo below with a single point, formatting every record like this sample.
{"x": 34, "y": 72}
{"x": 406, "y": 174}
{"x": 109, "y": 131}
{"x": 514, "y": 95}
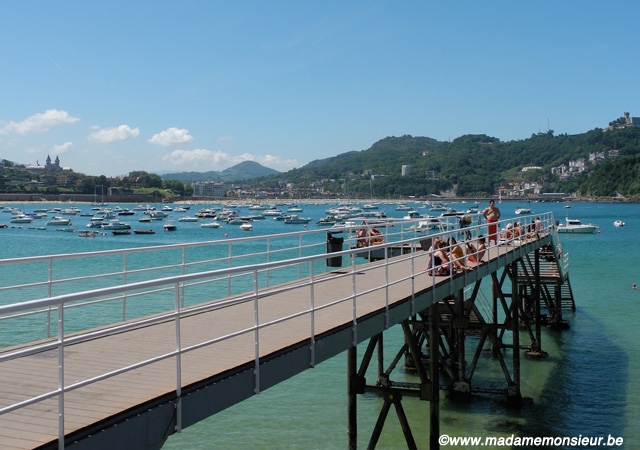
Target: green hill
{"x": 476, "y": 165}
{"x": 243, "y": 171}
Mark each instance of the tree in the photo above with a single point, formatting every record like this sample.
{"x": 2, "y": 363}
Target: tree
{"x": 153, "y": 180}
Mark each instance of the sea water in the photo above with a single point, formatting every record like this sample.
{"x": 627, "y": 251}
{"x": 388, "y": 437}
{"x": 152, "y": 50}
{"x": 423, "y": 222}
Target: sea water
{"x": 587, "y": 386}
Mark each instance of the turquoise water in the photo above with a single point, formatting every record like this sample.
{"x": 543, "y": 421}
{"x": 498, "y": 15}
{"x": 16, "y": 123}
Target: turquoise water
{"x": 587, "y": 386}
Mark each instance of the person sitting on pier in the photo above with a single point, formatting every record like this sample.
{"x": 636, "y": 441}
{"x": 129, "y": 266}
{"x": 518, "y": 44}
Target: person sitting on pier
{"x": 439, "y": 265}
{"x": 375, "y": 237}
{"x": 456, "y": 255}
{"x": 519, "y": 231}
{"x": 363, "y": 240}
{"x": 506, "y": 234}
{"x": 475, "y": 255}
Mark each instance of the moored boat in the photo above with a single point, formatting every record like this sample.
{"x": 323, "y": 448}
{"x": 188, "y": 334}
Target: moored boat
{"x": 576, "y": 226}
{"x": 58, "y": 220}
{"x": 144, "y": 232}
{"x": 211, "y": 224}
{"x": 21, "y": 218}
{"x": 188, "y": 219}
{"x": 115, "y": 224}
{"x": 619, "y": 223}
{"x": 294, "y": 219}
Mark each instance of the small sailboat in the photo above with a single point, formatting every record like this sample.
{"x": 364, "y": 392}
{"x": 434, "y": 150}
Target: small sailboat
{"x": 524, "y": 210}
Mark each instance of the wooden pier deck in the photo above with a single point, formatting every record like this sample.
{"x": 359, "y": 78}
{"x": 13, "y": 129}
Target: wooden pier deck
{"x": 378, "y": 287}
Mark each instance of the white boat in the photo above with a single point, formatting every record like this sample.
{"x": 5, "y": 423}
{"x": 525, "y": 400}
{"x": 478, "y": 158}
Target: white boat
{"x": 576, "y": 226}
{"x": 619, "y": 223}
{"x": 211, "y": 224}
{"x": 438, "y": 207}
{"x": 272, "y": 212}
{"x": 169, "y": 226}
{"x": 115, "y": 224}
{"x": 295, "y": 219}
{"x": 328, "y": 220}
{"x": 410, "y": 215}
{"x": 57, "y": 220}
{"x": 188, "y": 219}
{"x": 246, "y": 226}
{"x": 429, "y": 223}
{"x": 21, "y": 218}
{"x": 524, "y": 210}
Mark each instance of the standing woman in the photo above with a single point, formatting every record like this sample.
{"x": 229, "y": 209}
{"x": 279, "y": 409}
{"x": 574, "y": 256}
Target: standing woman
{"x": 492, "y": 215}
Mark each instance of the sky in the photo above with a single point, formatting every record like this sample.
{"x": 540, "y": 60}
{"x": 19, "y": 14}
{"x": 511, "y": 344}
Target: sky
{"x": 162, "y": 86}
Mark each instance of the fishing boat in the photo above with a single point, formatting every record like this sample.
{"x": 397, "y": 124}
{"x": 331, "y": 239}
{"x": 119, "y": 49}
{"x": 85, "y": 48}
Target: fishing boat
{"x": 576, "y": 226}
{"x": 619, "y": 223}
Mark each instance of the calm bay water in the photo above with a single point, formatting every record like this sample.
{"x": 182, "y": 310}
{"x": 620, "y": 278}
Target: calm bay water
{"x": 589, "y": 385}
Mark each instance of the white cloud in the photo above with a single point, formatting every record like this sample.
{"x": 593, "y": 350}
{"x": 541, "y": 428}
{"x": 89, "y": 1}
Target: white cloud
{"x": 64, "y": 148}
{"x": 171, "y": 136}
{"x": 277, "y": 163}
{"x": 203, "y": 160}
{"x": 41, "y": 122}
{"x": 197, "y": 159}
{"x": 115, "y": 134}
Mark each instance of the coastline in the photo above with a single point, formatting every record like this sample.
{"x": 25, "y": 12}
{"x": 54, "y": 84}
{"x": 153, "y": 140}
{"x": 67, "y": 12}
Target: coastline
{"x": 144, "y": 199}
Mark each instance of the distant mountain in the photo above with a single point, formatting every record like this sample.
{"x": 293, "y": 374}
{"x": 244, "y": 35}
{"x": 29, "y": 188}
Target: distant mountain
{"x": 244, "y": 170}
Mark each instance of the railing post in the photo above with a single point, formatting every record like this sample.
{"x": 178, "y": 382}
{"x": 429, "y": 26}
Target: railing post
{"x": 256, "y": 325}
{"x": 61, "y": 387}
{"x": 49, "y": 289}
{"x": 312, "y": 301}
{"x": 124, "y": 281}
{"x": 354, "y": 304}
{"x": 178, "y": 314}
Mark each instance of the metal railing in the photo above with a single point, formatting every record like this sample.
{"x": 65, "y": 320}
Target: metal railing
{"x": 167, "y": 283}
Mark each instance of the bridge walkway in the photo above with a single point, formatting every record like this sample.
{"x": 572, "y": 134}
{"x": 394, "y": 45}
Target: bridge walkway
{"x": 97, "y": 380}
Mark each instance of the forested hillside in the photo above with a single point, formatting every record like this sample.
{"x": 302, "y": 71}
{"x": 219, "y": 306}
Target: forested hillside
{"x": 474, "y": 165}
{"x": 244, "y": 170}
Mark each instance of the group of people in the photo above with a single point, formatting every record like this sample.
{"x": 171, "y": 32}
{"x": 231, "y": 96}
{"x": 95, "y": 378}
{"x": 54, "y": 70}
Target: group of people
{"x": 511, "y": 231}
{"x": 449, "y": 257}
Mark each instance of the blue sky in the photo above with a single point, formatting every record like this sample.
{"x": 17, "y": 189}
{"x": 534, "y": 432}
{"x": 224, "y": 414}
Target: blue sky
{"x": 116, "y": 86}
